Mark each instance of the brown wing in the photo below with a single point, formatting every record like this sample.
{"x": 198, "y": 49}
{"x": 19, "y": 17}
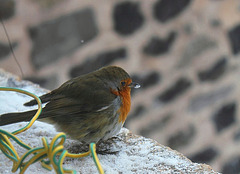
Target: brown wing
{"x": 78, "y": 96}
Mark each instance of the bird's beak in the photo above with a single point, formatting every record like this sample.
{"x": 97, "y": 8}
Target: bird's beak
{"x": 134, "y": 85}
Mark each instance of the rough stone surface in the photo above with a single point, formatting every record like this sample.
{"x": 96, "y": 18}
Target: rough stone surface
{"x": 234, "y": 37}
{"x": 47, "y": 3}
{"x": 196, "y": 47}
{"x": 58, "y": 37}
{"x": 147, "y": 80}
{"x": 98, "y": 61}
{"x": 236, "y": 135}
{"x": 205, "y": 155}
{"x": 43, "y": 81}
{"x": 225, "y": 116}
{"x": 136, "y": 114}
{"x": 216, "y": 23}
{"x": 232, "y": 166}
{"x": 5, "y": 50}
{"x": 204, "y": 100}
{"x": 214, "y": 72}
{"x": 135, "y": 154}
{"x": 181, "y": 138}
{"x": 155, "y": 126}
{"x": 164, "y": 10}
{"x": 157, "y": 46}
{"x": 140, "y": 109}
{"x": 178, "y": 88}
{"x": 127, "y": 17}
{"x": 7, "y": 9}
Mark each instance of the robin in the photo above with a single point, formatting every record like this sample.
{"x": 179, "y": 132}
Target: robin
{"x": 88, "y": 108}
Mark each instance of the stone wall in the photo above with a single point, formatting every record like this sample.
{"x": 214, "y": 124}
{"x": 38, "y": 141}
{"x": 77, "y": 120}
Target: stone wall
{"x": 185, "y": 53}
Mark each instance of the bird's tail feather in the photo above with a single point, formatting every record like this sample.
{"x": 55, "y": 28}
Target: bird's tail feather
{"x": 44, "y": 98}
{"x": 10, "y": 118}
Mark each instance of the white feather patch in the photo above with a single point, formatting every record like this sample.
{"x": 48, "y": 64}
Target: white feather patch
{"x": 103, "y": 108}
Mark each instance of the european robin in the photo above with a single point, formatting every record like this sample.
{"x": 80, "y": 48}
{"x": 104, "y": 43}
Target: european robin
{"x": 88, "y": 108}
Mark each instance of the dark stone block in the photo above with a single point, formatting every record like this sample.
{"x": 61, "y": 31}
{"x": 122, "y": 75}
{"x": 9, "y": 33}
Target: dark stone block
{"x": 157, "y": 46}
{"x": 164, "y": 10}
{"x": 56, "y": 38}
{"x": 138, "y": 111}
{"x": 225, "y": 116}
{"x": 178, "y": 88}
{"x": 205, "y": 100}
{"x": 237, "y": 135}
{"x": 94, "y": 63}
{"x": 205, "y": 155}
{"x": 215, "y": 23}
{"x": 135, "y": 114}
{"x": 147, "y": 80}
{"x": 181, "y": 138}
{"x": 188, "y": 28}
{"x": 127, "y": 17}
{"x": 7, "y": 9}
{"x": 47, "y": 4}
{"x": 5, "y": 49}
{"x": 234, "y": 37}
{"x": 45, "y": 82}
{"x": 155, "y": 126}
{"x": 232, "y": 166}
{"x": 214, "y": 72}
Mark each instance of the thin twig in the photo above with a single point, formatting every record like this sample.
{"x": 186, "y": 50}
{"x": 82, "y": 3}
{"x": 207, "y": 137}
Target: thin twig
{"x": 11, "y": 47}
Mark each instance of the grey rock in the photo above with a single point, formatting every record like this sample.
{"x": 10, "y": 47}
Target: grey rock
{"x": 58, "y": 37}
{"x": 225, "y": 116}
{"x": 127, "y": 17}
{"x": 204, "y": 100}
{"x": 216, "y": 71}
{"x": 7, "y": 9}
{"x": 46, "y": 82}
{"x": 182, "y": 137}
{"x": 178, "y": 88}
{"x": 5, "y": 49}
{"x": 98, "y": 61}
{"x": 165, "y": 10}
{"x": 155, "y": 126}
{"x": 194, "y": 48}
{"x": 205, "y": 156}
{"x": 147, "y": 79}
{"x": 234, "y": 38}
{"x": 137, "y": 113}
{"x": 157, "y": 46}
{"x": 232, "y": 166}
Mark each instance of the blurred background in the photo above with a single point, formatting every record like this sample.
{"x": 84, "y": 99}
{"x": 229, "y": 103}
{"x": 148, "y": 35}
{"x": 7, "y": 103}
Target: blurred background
{"x": 184, "y": 53}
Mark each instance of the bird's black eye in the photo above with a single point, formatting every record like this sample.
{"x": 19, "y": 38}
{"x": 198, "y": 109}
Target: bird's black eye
{"x": 123, "y": 83}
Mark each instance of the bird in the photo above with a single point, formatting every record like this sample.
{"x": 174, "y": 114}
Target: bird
{"x": 89, "y": 108}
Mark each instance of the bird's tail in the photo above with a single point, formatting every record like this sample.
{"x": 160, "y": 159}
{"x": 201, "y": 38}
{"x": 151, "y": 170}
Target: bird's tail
{"x": 44, "y": 98}
{"x": 10, "y": 118}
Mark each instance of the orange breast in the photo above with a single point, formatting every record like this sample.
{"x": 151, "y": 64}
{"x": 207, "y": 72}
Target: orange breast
{"x": 125, "y": 95}
{"x": 126, "y": 104}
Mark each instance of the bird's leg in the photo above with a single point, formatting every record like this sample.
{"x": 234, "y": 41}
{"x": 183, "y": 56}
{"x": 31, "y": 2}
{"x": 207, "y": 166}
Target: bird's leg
{"x": 104, "y": 147}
